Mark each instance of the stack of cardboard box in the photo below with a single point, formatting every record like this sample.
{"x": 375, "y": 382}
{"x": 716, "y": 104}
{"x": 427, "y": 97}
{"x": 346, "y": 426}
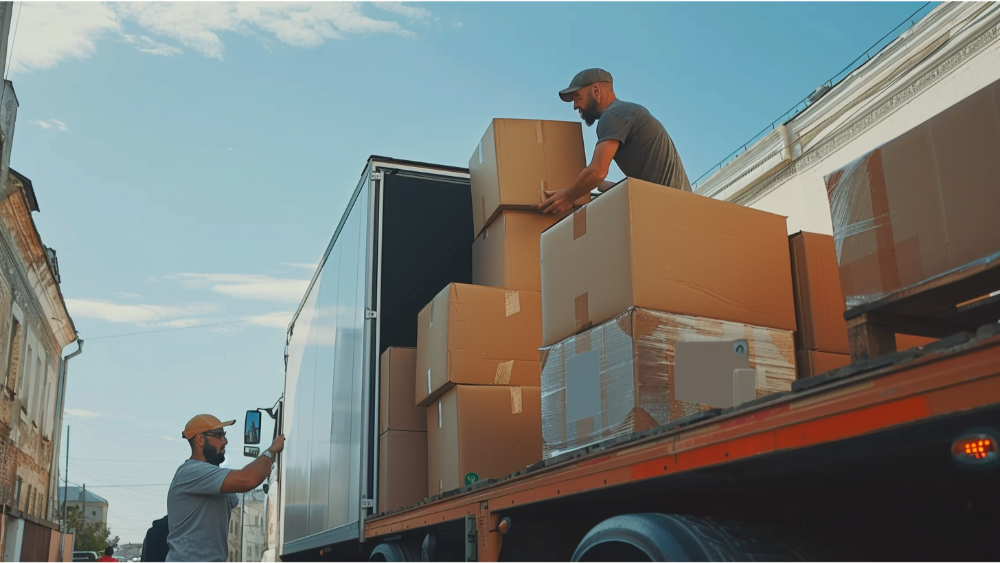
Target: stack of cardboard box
{"x": 402, "y": 431}
{"x": 636, "y": 271}
{"x": 821, "y": 343}
{"x": 477, "y": 345}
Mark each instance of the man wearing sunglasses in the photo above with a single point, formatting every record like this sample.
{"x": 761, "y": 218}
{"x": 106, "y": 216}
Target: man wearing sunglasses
{"x": 202, "y": 495}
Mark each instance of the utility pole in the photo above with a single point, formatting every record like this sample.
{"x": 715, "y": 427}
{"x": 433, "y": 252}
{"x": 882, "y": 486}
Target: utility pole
{"x": 243, "y": 523}
{"x": 84, "y": 525}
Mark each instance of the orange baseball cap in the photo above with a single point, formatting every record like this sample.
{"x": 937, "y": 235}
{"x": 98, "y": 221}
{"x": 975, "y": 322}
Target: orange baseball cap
{"x": 203, "y": 423}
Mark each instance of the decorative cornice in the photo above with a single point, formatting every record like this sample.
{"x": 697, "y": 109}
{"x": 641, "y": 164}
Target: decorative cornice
{"x": 813, "y": 156}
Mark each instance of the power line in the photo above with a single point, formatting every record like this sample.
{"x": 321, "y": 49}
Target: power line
{"x": 148, "y": 434}
{"x": 172, "y": 462}
{"x": 238, "y": 321}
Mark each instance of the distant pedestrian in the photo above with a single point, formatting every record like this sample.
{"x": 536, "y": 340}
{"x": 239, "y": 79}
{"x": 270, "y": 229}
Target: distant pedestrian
{"x": 108, "y": 552}
{"x": 202, "y": 494}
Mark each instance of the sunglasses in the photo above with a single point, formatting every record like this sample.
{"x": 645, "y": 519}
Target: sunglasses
{"x": 215, "y": 433}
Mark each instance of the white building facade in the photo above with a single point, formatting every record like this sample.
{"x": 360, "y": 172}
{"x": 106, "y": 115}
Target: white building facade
{"x": 947, "y": 55}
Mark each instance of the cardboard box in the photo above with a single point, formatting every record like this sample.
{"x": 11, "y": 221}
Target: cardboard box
{"x": 618, "y": 377}
{"x": 508, "y": 252}
{"x": 402, "y": 468}
{"x": 477, "y": 335}
{"x": 398, "y": 374}
{"x": 517, "y": 160}
{"x": 644, "y": 245}
{"x": 819, "y": 304}
{"x": 482, "y": 432}
{"x": 922, "y": 204}
{"x": 811, "y": 362}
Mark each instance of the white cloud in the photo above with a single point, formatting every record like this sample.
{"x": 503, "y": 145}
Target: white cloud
{"x": 310, "y": 267}
{"x": 80, "y": 413}
{"x": 246, "y": 286}
{"x": 140, "y": 315}
{"x": 147, "y": 45}
{"x": 50, "y": 124}
{"x": 412, "y": 12}
{"x": 127, "y": 295}
{"x": 276, "y": 320}
{"x": 49, "y": 32}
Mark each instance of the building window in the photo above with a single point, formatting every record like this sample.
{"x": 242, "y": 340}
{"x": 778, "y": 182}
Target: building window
{"x": 26, "y": 381}
{"x": 17, "y": 493}
{"x": 14, "y": 354}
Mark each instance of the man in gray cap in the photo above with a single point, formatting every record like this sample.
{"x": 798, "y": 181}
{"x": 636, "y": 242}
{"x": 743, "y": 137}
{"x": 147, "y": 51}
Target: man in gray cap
{"x": 627, "y": 134}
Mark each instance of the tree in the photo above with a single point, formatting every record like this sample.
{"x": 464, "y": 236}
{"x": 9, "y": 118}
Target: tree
{"x": 95, "y": 536}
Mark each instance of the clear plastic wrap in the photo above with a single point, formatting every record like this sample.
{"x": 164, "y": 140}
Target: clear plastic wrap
{"x": 621, "y": 374}
{"x": 922, "y": 205}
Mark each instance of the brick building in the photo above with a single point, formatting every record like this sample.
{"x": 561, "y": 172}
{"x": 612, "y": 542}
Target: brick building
{"x": 35, "y": 327}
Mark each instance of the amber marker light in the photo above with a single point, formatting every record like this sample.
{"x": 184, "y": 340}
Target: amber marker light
{"x": 975, "y": 449}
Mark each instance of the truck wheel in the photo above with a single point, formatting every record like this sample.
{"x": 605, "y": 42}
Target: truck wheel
{"x": 395, "y": 551}
{"x": 668, "y": 537}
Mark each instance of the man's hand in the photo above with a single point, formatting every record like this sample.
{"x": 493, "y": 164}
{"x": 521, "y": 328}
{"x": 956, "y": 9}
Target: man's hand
{"x": 557, "y": 202}
{"x": 277, "y": 445}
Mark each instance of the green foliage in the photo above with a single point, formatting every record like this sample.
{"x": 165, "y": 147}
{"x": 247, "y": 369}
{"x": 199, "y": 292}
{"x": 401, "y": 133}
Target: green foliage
{"x": 95, "y": 536}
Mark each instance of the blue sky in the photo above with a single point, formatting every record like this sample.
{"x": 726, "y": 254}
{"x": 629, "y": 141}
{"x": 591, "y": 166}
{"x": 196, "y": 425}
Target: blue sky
{"x": 191, "y": 162}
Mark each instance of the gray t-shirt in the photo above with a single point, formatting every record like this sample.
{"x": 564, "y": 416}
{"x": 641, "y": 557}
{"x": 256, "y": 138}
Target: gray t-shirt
{"x": 198, "y": 513}
{"x": 646, "y": 151}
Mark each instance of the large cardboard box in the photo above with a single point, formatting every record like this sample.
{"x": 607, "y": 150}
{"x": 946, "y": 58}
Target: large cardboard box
{"x": 819, "y": 305}
{"x": 482, "y": 432}
{"x": 507, "y": 253}
{"x": 811, "y": 362}
{"x": 922, "y": 204}
{"x": 402, "y": 468}
{"x": 644, "y": 245}
{"x": 618, "y": 377}
{"x": 517, "y": 160}
{"x": 477, "y": 335}
{"x": 398, "y": 374}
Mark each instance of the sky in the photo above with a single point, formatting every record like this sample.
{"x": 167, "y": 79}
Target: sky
{"x": 191, "y": 162}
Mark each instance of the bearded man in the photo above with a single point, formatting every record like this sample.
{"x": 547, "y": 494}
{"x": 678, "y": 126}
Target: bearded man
{"x": 627, "y": 133}
{"x": 202, "y": 494}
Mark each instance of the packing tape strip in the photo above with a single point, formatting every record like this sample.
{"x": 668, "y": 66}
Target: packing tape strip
{"x": 516, "y": 401}
{"x": 512, "y": 301}
{"x": 482, "y": 202}
{"x": 504, "y": 370}
{"x": 582, "y": 308}
{"x": 432, "y": 313}
{"x": 440, "y": 424}
{"x": 539, "y": 134}
{"x": 428, "y": 381}
{"x": 543, "y": 186}
{"x": 480, "y": 153}
{"x": 580, "y": 223}
{"x": 581, "y": 343}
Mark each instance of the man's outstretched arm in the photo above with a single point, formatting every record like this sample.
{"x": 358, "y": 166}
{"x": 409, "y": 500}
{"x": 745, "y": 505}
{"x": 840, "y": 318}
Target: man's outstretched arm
{"x": 251, "y": 476}
{"x": 590, "y": 177}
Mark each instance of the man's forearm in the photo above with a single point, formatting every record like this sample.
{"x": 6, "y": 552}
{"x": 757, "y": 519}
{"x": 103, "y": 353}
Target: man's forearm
{"x": 259, "y": 469}
{"x": 586, "y": 181}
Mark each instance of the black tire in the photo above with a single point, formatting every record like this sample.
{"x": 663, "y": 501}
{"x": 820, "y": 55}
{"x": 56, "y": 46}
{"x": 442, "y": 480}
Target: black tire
{"x": 668, "y": 537}
{"x": 395, "y": 552}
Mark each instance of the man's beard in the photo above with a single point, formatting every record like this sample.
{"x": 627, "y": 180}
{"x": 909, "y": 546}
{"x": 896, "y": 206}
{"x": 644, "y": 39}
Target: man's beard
{"x": 212, "y": 455}
{"x": 589, "y": 113}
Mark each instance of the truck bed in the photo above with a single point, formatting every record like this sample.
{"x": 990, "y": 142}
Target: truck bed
{"x": 894, "y": 409}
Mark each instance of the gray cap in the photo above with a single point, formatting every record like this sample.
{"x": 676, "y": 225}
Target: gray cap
{"x": 582, "y": 79}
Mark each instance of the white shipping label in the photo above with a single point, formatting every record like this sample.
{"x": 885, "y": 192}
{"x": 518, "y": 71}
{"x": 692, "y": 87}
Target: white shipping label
{"x": 583, "y": 386}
